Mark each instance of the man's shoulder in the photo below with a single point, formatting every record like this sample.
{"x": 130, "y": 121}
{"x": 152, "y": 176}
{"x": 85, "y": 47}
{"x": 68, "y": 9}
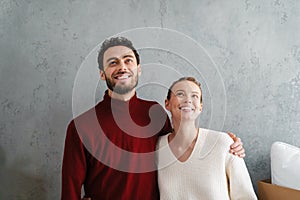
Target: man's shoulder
{"x": 85, "y": 117}
{"x": 144, "y": 104}
{"x": 146, "y": 101}
{"x": 86, "y": 113}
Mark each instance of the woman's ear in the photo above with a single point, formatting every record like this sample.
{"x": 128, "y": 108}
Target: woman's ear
{"x": 201, "y": 107}
{"x": 167, "y": 104}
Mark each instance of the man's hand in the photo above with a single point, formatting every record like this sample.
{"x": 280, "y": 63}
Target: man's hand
{"x": 237, "y": 147}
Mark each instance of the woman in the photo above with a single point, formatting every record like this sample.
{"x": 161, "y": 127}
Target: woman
{"x": 194, "y": 163}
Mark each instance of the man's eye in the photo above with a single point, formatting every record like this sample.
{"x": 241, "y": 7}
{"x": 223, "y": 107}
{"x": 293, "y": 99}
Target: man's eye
{"x": 195, "y": 96}
{"x": 129, "y": 60}
{"x": 112, "y": 63}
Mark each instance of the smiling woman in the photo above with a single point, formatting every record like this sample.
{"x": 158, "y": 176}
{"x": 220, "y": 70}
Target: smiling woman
{"x": 184, "y": 99}
{"x": 195, "y": 162}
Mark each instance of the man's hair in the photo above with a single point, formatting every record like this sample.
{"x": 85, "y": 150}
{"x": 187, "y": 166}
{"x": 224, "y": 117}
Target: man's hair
{"x": 192, "y": 79}
{"x": 115, "y": 41}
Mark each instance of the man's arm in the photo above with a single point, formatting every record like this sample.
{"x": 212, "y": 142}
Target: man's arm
{"x": 73, "y": 166}
{"x": 237, "y": 147}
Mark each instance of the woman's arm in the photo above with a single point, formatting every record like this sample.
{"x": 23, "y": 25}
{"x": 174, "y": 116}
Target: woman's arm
{"x": 239, "y": 181}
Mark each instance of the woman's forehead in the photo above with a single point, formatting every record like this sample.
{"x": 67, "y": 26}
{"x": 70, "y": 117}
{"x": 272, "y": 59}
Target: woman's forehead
{"x": 186, "y": 85}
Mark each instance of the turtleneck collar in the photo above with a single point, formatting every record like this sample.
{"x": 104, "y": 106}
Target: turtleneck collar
{"x": 107, "y": 98}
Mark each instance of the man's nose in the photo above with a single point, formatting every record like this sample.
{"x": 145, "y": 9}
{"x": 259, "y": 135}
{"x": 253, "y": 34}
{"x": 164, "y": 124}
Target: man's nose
{"x": 122, "y": 66}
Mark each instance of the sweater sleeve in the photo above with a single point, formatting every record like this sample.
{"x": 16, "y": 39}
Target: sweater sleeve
{"x": 73, "y": 166}
{"x": 240, "y": 185}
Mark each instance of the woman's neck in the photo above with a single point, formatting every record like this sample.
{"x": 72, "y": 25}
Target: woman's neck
{"x": 185, "y": 132}
{"x": 183, "y": 139}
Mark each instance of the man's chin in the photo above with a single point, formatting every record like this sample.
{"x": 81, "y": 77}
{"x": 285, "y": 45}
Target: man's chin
{"x": 122, "y": 90}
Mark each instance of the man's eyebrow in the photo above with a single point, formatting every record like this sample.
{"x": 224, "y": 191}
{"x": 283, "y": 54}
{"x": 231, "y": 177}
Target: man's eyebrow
{"x": 110, "y": 59}
{"x": 115, "y": 58}
{"x": 128, "y": 55}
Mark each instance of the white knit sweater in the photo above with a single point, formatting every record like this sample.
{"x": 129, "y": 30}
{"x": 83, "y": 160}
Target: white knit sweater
{"x": 210, "y": 173}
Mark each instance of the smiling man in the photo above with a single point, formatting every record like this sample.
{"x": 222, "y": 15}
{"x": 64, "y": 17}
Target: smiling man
{"x": 110, "y": 149}
{"x": 120, "y": 71}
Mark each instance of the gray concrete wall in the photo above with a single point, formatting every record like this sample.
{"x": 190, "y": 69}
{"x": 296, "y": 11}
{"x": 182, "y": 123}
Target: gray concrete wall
{"x": 246, "y": 54}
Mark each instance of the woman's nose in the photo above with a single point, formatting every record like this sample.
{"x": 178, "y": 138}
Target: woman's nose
{"x": 188, "y": 99}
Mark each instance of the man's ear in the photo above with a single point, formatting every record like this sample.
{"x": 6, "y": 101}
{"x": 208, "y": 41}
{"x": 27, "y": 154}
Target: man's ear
{"x": 102, "y": 75}
{"x": 139, "y": 69}
{"x": 201, "y": 107}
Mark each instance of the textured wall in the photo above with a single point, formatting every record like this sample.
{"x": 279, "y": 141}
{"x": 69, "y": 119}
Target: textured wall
{"x": 252, "y": 47}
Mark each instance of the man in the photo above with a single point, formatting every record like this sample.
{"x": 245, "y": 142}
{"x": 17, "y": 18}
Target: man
{"x": 110, "y": 148}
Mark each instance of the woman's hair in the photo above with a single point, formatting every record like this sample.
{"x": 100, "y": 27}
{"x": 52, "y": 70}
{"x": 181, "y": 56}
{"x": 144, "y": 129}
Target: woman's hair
{"x": 189, "y": 78}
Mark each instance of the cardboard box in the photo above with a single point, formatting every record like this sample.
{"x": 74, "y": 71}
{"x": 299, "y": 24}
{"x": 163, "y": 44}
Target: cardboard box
{"x": 268, "y": 191}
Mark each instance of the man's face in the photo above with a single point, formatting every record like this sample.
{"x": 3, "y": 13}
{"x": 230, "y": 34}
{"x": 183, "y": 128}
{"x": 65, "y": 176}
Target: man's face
{"x": 121, "y": 71}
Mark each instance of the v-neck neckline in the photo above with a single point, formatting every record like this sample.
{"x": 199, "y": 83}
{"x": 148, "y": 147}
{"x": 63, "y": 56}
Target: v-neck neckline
{"x": 192, "y": 153}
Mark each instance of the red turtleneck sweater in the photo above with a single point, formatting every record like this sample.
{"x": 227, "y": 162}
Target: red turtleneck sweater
{"x": 110, "y": 149}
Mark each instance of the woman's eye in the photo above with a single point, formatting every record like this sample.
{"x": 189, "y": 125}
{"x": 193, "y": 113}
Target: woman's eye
{"x": 195, "y": 96}
{"x": 179, "y": 94}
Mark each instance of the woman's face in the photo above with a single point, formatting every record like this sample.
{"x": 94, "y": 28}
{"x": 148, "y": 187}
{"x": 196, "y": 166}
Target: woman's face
{"x": 184, "y": 103}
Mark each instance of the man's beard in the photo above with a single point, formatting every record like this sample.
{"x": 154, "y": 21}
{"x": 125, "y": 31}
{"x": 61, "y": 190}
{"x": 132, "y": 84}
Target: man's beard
{"x": 121, "y": 89}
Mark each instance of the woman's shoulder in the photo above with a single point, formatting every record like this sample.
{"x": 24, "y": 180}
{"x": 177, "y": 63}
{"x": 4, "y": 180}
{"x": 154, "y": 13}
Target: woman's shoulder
{"x": 215, "y": 138}
{"x": 217, "y": 135}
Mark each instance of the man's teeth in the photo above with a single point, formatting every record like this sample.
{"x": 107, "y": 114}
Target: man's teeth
{"x": 122, "y": 77}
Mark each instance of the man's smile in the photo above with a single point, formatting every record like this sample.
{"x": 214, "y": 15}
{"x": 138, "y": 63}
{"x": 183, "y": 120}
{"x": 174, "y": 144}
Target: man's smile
{"x": 122, "y": 76}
